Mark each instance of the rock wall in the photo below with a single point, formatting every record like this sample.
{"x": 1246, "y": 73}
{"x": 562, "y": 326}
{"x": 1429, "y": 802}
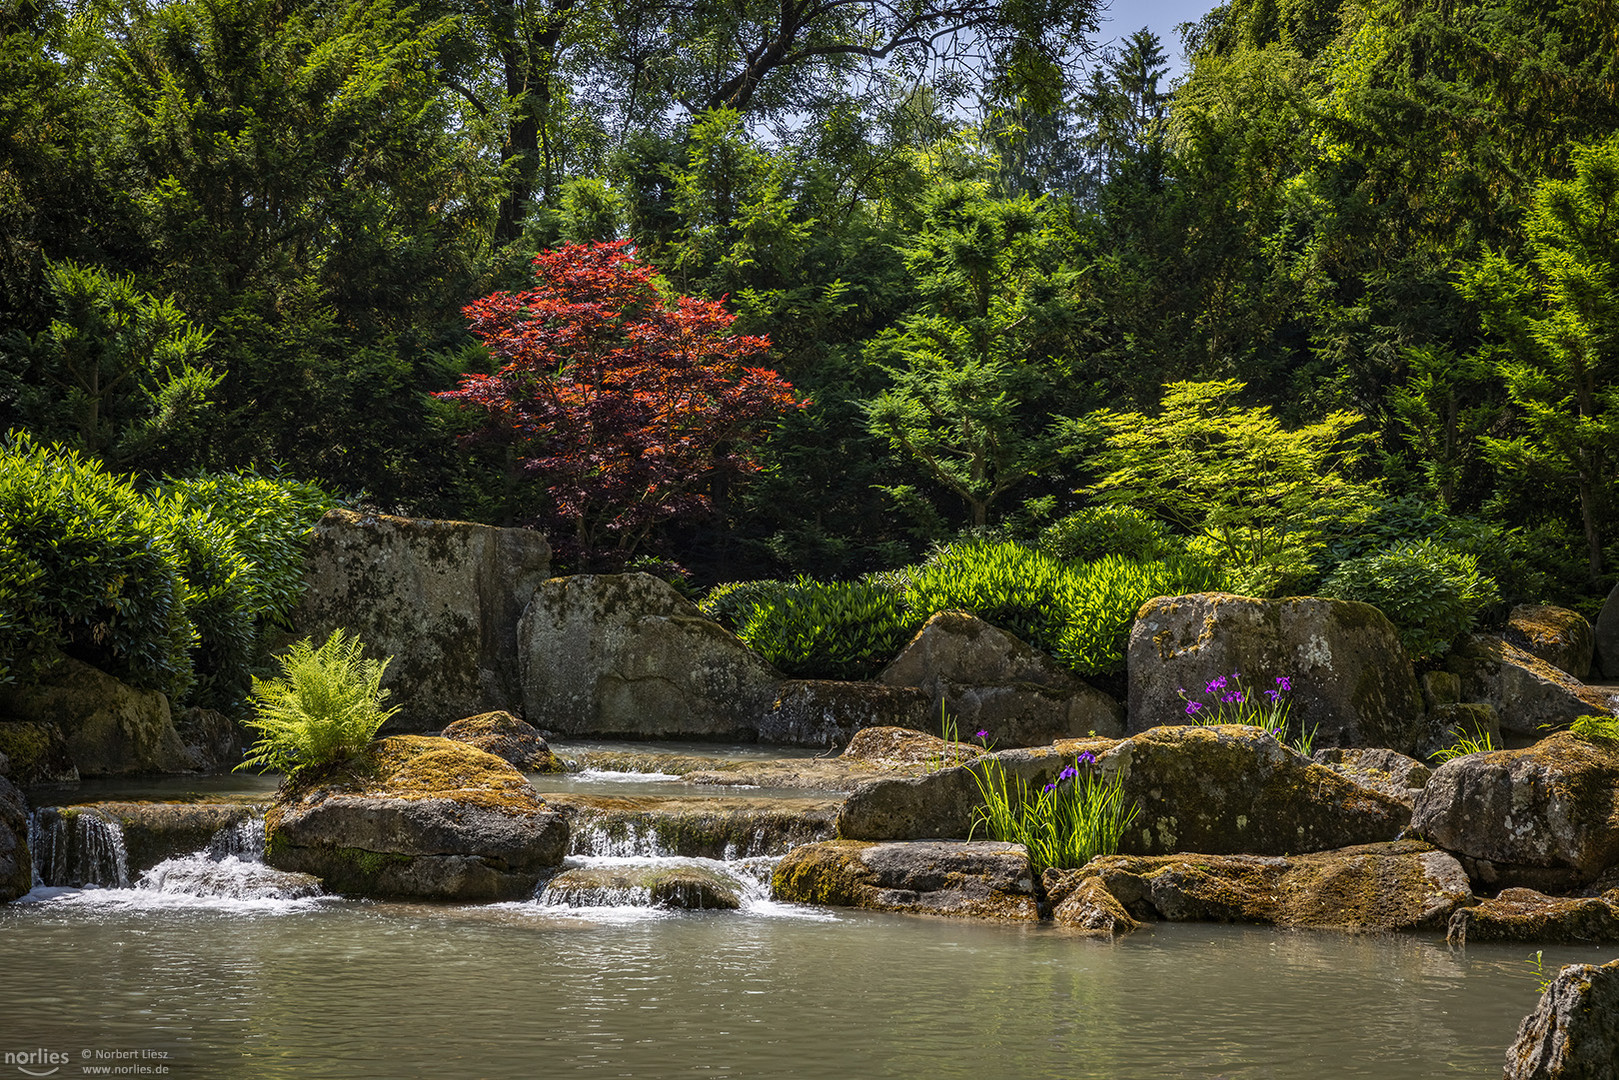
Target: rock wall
{"x": 442, "y": 597}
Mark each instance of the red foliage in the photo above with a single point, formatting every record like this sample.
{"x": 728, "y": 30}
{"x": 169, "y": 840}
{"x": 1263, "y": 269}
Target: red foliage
{"x": 625, "y": 401}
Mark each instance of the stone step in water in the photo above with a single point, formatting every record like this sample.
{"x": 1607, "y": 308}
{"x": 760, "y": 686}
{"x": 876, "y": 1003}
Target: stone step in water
{"x": 78, "y": 845}
{"x": 711, "y": 827}
{"x": 647, "y": 881}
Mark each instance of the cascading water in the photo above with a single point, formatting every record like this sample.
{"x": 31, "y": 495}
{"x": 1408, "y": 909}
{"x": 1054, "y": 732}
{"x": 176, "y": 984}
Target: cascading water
{"x": 77, "y": 848}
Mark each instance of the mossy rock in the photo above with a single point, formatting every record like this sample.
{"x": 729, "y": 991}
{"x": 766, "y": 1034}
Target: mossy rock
{"x": 417, "y": 816}
{"x": 688, "y": 888}
{"x": 1403, "y": 885}
{"x": 1573, "y": 1033}
{"x": 508, "y": 738}
{"x": 37, "y": 752}
{"x": 1530, "y": 916}
{"x": 966, "y": 879}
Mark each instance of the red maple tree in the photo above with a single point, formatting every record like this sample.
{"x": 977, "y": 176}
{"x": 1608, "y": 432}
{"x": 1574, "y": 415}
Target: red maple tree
{"x": 626, "y": 401}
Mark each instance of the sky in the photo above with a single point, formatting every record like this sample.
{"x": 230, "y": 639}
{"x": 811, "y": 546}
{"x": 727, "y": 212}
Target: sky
{"x": 1124, "y": 17}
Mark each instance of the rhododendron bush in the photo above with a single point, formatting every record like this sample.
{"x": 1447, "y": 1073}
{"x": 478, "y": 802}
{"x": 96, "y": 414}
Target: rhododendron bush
{"x": 626, "y": 401}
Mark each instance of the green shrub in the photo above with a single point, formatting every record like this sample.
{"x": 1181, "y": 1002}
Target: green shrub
{"x": 90, "y": 572}
{"x": 839, "y": 630}
{"x": 323, "y": 710}
{"x": 1018, "y": 589}
{"x": 165, "y": 591}
{"x": 1099, "y": 531}
{"x": 733, "y": 603}
{"x": 1095, "y": 636}
{"x": 1431, "y": 593}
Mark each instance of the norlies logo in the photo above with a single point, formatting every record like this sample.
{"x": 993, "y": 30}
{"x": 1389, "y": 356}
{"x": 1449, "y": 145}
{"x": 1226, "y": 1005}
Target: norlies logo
{"x": 35, "y": 1062}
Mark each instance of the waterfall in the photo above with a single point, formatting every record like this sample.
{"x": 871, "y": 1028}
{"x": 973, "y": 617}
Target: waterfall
{"x": 77, "y": 848}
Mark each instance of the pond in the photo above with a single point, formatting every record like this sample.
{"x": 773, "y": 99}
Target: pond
{"x": 197, "y": 983}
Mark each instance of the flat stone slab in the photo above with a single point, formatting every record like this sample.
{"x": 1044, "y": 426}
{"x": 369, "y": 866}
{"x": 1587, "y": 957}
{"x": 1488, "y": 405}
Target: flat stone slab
{"x": 688, "y": 888}
{"x": 973, "y": 879}
{"x": 1527, "y": 915}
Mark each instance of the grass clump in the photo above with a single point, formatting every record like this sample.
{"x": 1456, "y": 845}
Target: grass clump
{"x": 322, "y": 711}
{"x": 1478, "y": 742}
{"x": 1596, "y": 729}
{"x": 1065, "y": 823}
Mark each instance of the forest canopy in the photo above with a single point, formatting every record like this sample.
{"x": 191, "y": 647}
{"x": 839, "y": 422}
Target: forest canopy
{"x": 978, "y": 254}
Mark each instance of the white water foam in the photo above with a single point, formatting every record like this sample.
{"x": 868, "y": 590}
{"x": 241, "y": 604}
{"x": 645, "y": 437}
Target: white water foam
{"x": 612, "y": 776}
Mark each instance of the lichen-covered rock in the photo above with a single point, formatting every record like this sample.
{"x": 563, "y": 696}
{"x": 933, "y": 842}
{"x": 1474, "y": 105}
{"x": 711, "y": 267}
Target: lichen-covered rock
{"x": 988, "y": 679}
{"x": 1573, "y": 1034}
{"x": 37, "y": 753}
{"x": 1351, "y": 679}
{"x": 1544, "y": 817}
{"x": 1403, "y": 885}
{"x": 974, "y": 879}
{"x": 443, "y": 598}
{"x": 903, "y": 746}
{"x": 824, "y": 712}
{"x": 421, "y": 817}
{"x": 16, "y": 866}
{"x": 109, "y": 728}
{"x": 720, "y": 827}
{"x": 1083, "y": 903}
{"x": 512, "y": 740}
{"x": 1527, "y": 915}
{"x": 1605, "y": 636}
{"x": 1388, "y": 771}
{"x": 625, "y": 655}
{"x": 1529, "y": 694}
{"x": 1560, "y": 637}
{"x": 1218, "y": 790}
{"x": 689, "y": 888}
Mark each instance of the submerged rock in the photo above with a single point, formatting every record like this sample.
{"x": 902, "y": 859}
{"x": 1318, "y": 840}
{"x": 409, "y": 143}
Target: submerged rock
{"x": 1527, "y": 915}
{"x": 988, "y": 679}
{"x": 1219, "y": 790}
{"x": 420, "y": 817}
{"x": 625, "y": 655}
{"x": 689, "y": 888}
{"x": 976, "y": 879}
{"x": 230, "y": 878}
{"x": 1404, "y": 885}
{"x": 1527, "y": 693}
{"x": 1351, "y": 679}
{"x": 508, "y": 738}
{"x": 1573, "y": 1034}
{"x": 1560, "y": 637}
{"x": 720, "y": 827}
{"x": 1544, "y": 817}
{"x": 108, "y": 728}
{"x": 443, "y": 598}
{"x": 16, "y": 865}
{"x": 1084, "y": 904}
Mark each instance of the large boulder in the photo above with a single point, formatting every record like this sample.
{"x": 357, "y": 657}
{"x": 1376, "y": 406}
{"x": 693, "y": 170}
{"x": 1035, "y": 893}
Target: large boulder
{"x": 1527, "y": 915}
{"x": 1218, "y": 790}
{"x": 420, "y": 817}
{"x": 1350, "y": 676}
{"x": 37, "y": 753}
{"x": 16, "y": 866}
{"x": 1573, "y": 1034}
{"x": 443, "y": 598}
{"x": 1561, "y": 637}
{"x": 1544, "y": 817}
{"x": 512, "y": 740}
{"x": 1605, "y": 634}
{"x": 1527, "y": 693}
{"x": 824, "y": 712}
{"x": 625, "y": 655}
{"x": 108, "y": 727}
{"x": 989, "y": 680}
{"x": 1404, "y": 885}
{"x": 977, "y": 879}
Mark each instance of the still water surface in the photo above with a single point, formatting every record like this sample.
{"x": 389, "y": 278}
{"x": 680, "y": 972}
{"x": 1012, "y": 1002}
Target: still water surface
{"x": 338, "y": 988}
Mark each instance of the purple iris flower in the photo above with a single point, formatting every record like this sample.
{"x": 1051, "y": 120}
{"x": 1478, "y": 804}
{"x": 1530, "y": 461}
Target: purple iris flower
{"x": 1193, "y": 707}
{"x": 1087, "y": 758}
{"x": 982, "y": 735}
{"x": 1284, "y": 681}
